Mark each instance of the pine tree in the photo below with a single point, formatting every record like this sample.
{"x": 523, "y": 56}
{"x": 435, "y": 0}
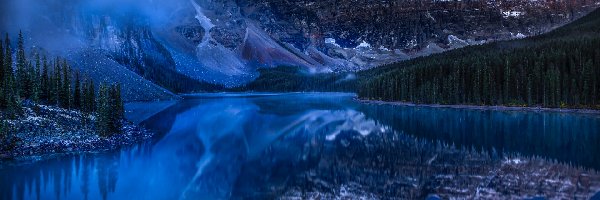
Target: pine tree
{"x": 2, "y": 77}
{"x": 117, "y": 107}
{"x": 506, "y": 87}
{"x": 7, "y": 67}
{"x": 25, "y": 81}
{"x": 77, "y": 92}
{"x": 12, "y": 99}
{"x": 3, "y": 131}
{"x": 2, "y": 70}
{"x": 83, "y": 96}
{"x": 65, "y": 94}
{"x": 36, "y": 81}
{"x": 103, "y": 125}
{"x": 45, "y": 82}
{"x": 529, "y": 90}
{"x": 51, "y": 85}
{"x": 22, "y": 77}
{"x": 35, "y": 96}
{"x": 91, "y": 97}
{"x": 88, "y": 97}
{"x": 56, "y": 83}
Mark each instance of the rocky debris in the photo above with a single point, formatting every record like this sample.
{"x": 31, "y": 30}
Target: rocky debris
{"x": 47, "y": 130}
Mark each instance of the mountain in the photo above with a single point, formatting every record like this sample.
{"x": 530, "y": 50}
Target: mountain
{"x": 558, "y": 69}
{"x": 186, "y": 46}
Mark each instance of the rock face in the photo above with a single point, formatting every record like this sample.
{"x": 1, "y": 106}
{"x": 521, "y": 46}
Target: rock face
{"x": 225, "y": 41}
{"x": 368, "y": 34}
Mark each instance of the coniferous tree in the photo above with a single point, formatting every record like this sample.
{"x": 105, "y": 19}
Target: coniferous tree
{"x": 83, "y": 96}
{"x": 77, "y": 92}
{"x": 56, "y": 83}
{"x": 506, "y": 87}
{"x": 65, "y": 90}
{"x": 109, "y": 110}
{"x": 12, "y": 99}
{"x": 25, "y": 82}
{"x": 22, "y": 80}
{"x": 4, "y": 131}
{"x": 529, "y": 90}
{"x": 91, "y": 96}
{"x": 8, "y": 72}
{"x": 117, "y": 107}
{"x": 36, "y": 82}
{"x": 103, "y": 116}
{"x": 2, "y": 70}
{"x": 88, "y": 97}
{"x": 45, "y": 81}
{"x": 2, "y": 77}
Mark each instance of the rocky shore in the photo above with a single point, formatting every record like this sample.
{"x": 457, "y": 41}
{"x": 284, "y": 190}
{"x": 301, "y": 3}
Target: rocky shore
{"x": 47, "y": 130}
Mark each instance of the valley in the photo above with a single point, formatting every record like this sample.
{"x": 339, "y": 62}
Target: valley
{"x": 283, "y": 99}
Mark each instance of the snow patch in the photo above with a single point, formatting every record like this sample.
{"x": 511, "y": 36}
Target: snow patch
{"x": 382, "y": 48}
{"x": 363, "y": 45}
{"x": 512, "y": 13}
{"x": 456, "y": 42}
{"x": 205, "y": 22}
{"x": 514, "y": 161}
{"x": 519, "y": 36}
{"x": 412, "y": 43}
{"x": 332, "y": 42}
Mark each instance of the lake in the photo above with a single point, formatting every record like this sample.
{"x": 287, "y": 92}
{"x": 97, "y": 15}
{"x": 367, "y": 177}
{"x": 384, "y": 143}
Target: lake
{"x": 309, "y": 145}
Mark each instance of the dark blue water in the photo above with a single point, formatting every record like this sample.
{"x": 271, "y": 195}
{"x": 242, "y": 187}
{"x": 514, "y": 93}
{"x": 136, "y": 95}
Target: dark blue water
{"x": 252, "y": 146}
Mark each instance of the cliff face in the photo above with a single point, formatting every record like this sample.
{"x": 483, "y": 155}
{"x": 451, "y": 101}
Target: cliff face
{"x": 225, "y": 41}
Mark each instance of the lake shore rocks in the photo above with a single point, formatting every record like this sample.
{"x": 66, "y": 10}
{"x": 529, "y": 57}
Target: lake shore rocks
{"x": 46, "y": 131}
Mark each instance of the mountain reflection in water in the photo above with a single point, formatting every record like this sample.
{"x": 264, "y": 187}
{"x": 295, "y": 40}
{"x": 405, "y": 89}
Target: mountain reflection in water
{"x": 325, "y": 145}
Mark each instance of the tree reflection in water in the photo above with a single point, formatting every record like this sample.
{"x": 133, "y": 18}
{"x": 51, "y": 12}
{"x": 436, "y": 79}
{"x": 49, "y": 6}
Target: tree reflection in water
{"x": 327, "y": 145}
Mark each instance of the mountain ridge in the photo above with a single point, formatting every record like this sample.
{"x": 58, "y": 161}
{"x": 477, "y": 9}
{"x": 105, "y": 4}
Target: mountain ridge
{"x": 187, "y": 46}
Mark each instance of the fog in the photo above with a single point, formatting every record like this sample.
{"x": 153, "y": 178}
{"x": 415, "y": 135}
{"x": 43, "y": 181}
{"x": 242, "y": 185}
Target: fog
{"x": 58, "y": 25}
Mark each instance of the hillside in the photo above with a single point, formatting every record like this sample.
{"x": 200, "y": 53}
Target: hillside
{"x": 557, "y": 69}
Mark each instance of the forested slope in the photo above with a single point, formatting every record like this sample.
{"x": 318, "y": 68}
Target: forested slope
{"x": 557, "y": 69}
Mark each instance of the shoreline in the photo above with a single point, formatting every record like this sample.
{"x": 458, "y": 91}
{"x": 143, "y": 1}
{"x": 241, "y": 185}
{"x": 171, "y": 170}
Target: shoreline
{"x": 24, "y": 152}
{"x": 475, "y": 107}
{"x": 47, "y": 131}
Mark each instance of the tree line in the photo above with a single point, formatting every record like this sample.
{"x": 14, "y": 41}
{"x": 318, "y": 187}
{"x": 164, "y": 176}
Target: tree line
{"x": 53, "y": 82}
{"x": 560, "y": 69}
